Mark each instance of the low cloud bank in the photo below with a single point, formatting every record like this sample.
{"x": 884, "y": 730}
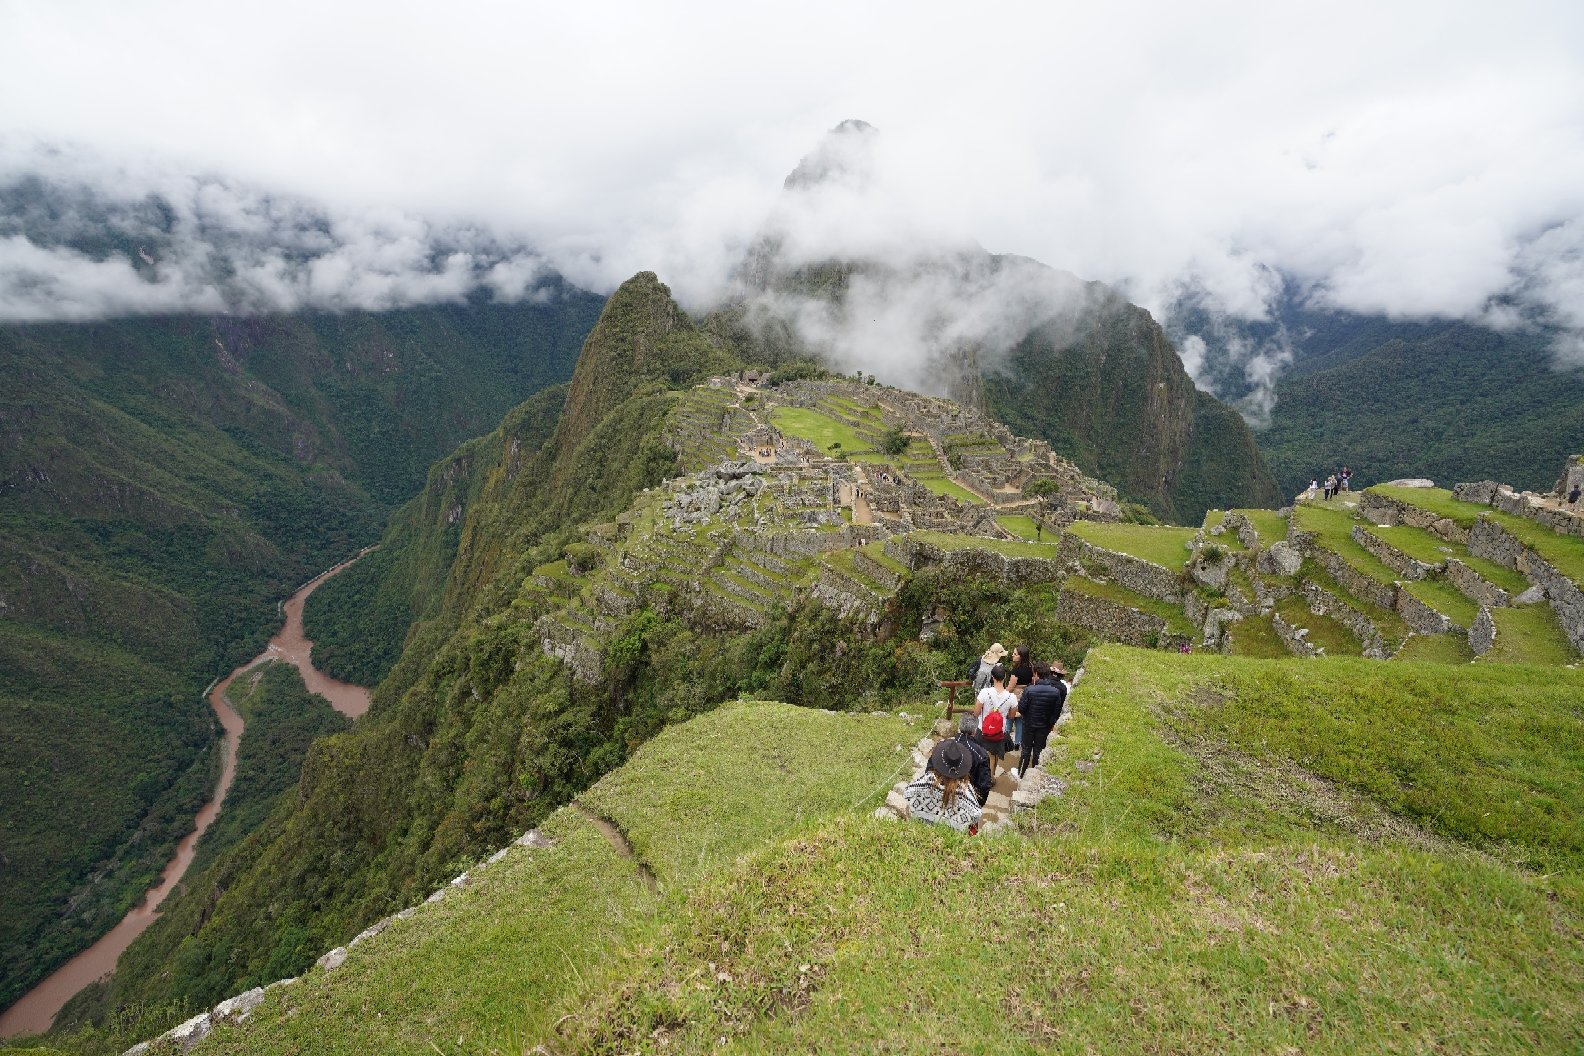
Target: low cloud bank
{"x": 73, "y": 249}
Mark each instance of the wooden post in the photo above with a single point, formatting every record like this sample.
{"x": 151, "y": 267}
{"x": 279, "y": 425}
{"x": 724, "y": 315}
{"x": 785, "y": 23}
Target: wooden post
{"x": 951, "y": 697}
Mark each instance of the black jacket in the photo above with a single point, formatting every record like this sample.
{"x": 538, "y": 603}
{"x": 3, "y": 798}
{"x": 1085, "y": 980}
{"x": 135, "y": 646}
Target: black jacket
{"x": 1041, "y": 704}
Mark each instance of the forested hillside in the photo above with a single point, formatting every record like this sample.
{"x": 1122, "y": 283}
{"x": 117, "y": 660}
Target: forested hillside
{"x": 164, "y": 482}
{"x": 1109, "y": 392}
{"x": 1448, "y": 401}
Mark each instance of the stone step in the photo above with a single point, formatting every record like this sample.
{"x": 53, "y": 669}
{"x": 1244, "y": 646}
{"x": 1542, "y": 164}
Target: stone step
{"x": 739, "y": 587}
{"x": 759, "y": 577}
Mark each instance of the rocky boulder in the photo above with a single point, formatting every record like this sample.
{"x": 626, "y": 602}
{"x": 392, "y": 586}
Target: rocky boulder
{"x": 1279, "y": 559}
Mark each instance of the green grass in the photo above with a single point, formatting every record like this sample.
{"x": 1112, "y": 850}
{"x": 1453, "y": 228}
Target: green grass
{"x": 1333, "y": 527}
{"x": 842, "y": 561}
{"x": 1565, "y": 552}
{"x": 1445, "y": 599}
{"x": 1416, "y": 543}
{"x": 1392, "y": 627}
{"x": 1020, "y": 526}
{"x": 1438, "y": 501}
{"x": 1255, "y": 636}
{"x": 1271, "y": 526}
{"x": 942, "y": 486}
{"x": 1324, "y": 631}
{"x": 1529, "y": 634}
{"x": 876, "y": 551}
{"x": 494, "y": 959}
{"x": 1163, "y": 546}
{"x": 1422, "y": 545}
{"x": 1436, "y": 649}
{"x": 1176, "y": 622}
{"x": 822, "y": 430}
{"x": 1194, "y": 884}
{"x": 1004, "y": 547}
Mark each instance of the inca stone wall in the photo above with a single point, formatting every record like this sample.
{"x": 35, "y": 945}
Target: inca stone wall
{"x": 1136, "y": 574}
{"x": 1324, "y": 603}
{"x": 916, "y": 554}
{"x": 1113, "y": 621}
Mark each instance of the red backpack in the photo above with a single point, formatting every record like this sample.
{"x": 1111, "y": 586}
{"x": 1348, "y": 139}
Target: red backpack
{"x": 993, "y": 726}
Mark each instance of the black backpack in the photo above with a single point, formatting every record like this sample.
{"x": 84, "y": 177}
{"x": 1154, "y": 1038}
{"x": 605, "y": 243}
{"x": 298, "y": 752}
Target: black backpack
{"x": 973, "y": 669}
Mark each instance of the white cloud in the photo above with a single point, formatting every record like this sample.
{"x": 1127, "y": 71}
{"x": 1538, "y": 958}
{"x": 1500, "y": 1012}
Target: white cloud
{"x": 1406, "y": 158}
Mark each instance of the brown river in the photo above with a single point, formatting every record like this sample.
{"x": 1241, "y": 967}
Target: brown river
{"x": 33, "y": 1014}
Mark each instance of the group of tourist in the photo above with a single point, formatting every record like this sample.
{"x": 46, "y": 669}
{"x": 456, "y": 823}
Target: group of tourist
{"x": 1014, "y": 711}
{"x": 1336, "y": 484}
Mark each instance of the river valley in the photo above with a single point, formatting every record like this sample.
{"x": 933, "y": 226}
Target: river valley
{"x": 35, "y": 1011}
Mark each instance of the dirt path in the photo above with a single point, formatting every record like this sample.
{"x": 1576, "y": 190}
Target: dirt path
{"x": 37, "y": 1008}
{"x": 618, "y": 841}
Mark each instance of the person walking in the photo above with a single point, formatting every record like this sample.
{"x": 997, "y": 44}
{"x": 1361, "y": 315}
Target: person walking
{"x": 992, "y": 656}
{"x": 1022, "y": 678}
{"x": 945, "y": 795}
{"x": 1345, "y": 476}
{"x": 995, "y": 709}
{"x": 1041, "y": 707}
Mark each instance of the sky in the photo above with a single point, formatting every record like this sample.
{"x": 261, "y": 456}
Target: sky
{"x": 1414, "y": 159}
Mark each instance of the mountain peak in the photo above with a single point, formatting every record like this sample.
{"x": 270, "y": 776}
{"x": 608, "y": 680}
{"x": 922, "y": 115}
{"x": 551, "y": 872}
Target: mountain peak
{"x": 845, "y": 151}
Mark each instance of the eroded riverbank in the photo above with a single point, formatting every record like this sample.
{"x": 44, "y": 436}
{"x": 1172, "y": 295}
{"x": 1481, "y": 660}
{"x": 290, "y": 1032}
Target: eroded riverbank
{"x": 36, "y": 1010}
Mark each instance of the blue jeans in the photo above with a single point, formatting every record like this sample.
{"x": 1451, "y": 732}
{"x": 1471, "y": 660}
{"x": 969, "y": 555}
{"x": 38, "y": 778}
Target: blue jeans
{"x": 1017, "y": 731}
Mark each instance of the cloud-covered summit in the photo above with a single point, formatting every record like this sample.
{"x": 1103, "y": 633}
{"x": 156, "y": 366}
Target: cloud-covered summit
{"x": 1401, "y": 158}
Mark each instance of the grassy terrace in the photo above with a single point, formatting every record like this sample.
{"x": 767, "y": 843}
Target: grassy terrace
{"x": 876, "y": 552}
{"x": 1436, "y": 649}
{"x": 1324, "y": 631}
{"x": 823, "y": 430}
{"x": 1255, "y": 636}
{"x": 1271, "y": 526}
{"x": 1422, "y": 545}
{"x": 1565, "y": 552}
{"x": 1163, "y": 546}
{"x": 942, "y": 486}
{"x": 1333, "y": 528}
{"x": 1020, "y": 526}
{"x": 1529, "y": 635}
{"x": 1393, "y": 629}
{"x": 1005, "y": 547}
{"x": 842, "y": 561}
{"x": 1445, "y": 599}
{"x": 1176, "y": 622}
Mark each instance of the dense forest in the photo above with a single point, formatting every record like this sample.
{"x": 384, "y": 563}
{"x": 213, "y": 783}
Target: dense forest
{"x": 164, "y": 482}
{"x": 1448, "y": 401}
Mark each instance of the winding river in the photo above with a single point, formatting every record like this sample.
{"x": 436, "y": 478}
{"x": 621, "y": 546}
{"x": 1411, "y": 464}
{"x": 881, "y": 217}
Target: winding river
{"x": 34, "y": 1013}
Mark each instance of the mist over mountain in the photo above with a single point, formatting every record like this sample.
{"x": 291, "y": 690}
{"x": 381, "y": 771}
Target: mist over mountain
{"x": 76, "y": 246}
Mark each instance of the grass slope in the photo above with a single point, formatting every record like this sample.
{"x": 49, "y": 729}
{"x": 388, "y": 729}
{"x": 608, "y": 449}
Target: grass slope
{"x": 1231, "y": 866}
{"x": 1162, "y": 546}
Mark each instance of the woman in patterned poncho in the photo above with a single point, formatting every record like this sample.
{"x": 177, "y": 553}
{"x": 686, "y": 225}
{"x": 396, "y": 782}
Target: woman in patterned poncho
{"x": 944, "y": 794}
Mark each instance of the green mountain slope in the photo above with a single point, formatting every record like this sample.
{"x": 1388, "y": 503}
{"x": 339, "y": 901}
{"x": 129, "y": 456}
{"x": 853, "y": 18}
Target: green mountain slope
{"x": 163, "y": 483}
{"x": 1108, "y": 391}
{"x": 472, "y": 733}
{"x": 1453, "y": 403}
